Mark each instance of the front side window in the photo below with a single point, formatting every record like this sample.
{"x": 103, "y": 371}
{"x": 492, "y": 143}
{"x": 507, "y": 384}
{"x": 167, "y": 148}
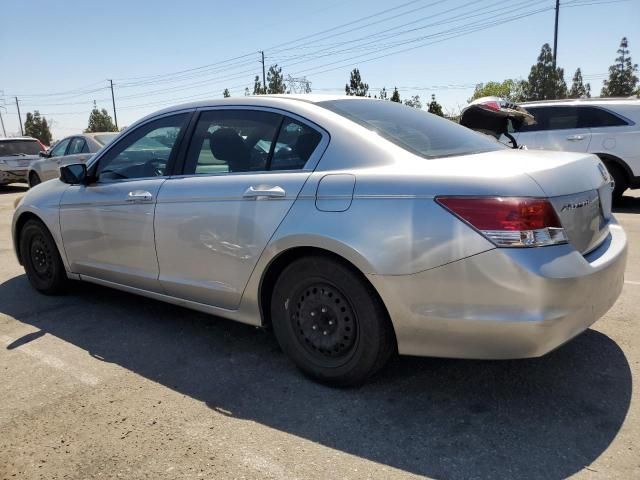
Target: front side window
{"x": 144, "y": 152}
{"x": 413, "y": 129}
{"x": 60, "y": 148}
{"x": 77, "y": 146}
{"x": 232, "y": 141}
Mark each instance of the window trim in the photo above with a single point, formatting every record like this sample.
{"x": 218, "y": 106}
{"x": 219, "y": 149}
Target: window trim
{"x": 309, "y": 167}
{"x": 93, "y": 163}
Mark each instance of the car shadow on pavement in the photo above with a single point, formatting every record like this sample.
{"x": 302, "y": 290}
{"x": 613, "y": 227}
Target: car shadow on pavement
{"x": 627, "y": 204}
{"x": 6, "y": 189}
{"x": 541, "y": 418}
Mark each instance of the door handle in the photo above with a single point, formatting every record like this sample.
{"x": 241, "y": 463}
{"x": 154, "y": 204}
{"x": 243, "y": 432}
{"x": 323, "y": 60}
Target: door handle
{"x": 139, "y": 196}
{"x": 574, "y": 138}
{"x": 266, "y": 191}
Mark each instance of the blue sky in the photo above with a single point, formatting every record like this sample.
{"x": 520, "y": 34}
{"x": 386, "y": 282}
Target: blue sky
{"x": 71, "y": 48}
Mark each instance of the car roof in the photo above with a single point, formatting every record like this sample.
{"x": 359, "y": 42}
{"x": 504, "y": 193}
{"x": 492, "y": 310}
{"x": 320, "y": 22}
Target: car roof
{"x": 9, "y": 139}
{"x": 584, "y": 101}
{"x": 274, "y": 101}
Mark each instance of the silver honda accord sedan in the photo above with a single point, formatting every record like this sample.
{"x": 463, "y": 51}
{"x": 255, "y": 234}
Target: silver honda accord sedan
{"x": 356, "y": 228}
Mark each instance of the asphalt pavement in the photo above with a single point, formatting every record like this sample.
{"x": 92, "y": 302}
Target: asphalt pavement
{"x": 104, "y": 384}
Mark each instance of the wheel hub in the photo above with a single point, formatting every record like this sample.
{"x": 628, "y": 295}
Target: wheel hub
{"x": 41, "y": 258}
{"x": 324, "y": 321}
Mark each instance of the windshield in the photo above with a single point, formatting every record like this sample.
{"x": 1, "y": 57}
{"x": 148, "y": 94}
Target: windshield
{"x": 413, "y": 129}
{"x": 17, "y": 147}
{"x": 106, "y": 138}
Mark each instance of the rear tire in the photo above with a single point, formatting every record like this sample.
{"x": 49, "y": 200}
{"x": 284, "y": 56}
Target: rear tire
{"x": 330, "y": 322}
{"x": 41, "y": 259}
{"x": 34, "y": 179}
{"x": 620, "y": 178}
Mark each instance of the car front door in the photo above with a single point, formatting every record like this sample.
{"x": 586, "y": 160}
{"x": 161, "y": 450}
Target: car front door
{"x": 49, "y": 166}
{"x": 243, "y": 171}
{"x": 107, "y": 225}
{"x": 556, "y": 128}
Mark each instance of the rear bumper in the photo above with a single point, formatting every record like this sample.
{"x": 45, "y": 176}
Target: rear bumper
{"x": 13, "y": 174}
{"x": 505, "y": 303}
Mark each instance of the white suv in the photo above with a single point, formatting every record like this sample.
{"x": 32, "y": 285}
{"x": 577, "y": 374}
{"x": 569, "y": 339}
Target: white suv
{"x": 609, "y": 128}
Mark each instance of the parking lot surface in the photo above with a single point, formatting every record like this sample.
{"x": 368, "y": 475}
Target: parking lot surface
{"x": 103, "y": 384}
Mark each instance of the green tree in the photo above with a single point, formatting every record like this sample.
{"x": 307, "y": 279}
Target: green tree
{"x": 257, "y": 86}
{"x": 356, "y": 87}
{"x": 246, "y": 91}
{"x": 435, "y": 107}
{"x": 100, "y": 121}
{"x": 414, "y": 102}
{"x": 395, "y": 97}
{"x": 275, "y": 80}
{"x": 226, "y": 93}
{"x": 545, "y": 82}
{"x": 578, "y": 88}
{"x": 37, "y": 127}
{"x": 622, "y": 80}
{"x": 383, "y": 94}
{"x": 510, "y": 89}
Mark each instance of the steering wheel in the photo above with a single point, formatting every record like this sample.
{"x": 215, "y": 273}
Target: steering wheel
{"x": 155, "y": 167}
{"x": 114, "y": 173}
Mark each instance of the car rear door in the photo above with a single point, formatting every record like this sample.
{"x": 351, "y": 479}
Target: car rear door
{"x": 556, "y": 128}
{"x": 244, "y": 169}
{"x": 107, "y": 225}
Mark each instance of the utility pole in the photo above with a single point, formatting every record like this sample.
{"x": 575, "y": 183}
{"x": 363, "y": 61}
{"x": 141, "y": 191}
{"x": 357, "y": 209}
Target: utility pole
{"x": 4, "y": 132}
{"x": 555, "y": 36}
{"x": 113, "y": 100}
{"x": 264, "y": 76}
{"x": 19, "y": 117}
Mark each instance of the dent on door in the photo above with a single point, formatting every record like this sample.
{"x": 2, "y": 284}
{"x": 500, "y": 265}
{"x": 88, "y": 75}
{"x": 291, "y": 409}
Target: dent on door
{"x": 211, "y": 230}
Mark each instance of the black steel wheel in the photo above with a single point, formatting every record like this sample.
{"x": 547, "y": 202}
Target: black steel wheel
{"x": 330, "y": 321}
{"x": 41, "y": 259}
{"x": 324, "y": 322}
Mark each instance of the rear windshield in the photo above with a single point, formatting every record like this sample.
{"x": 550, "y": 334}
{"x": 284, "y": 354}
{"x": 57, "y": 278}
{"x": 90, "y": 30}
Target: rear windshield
{"x": 413, "y": 129}
{"x": 17, "y": 147}
{"x": 105, "y": 138}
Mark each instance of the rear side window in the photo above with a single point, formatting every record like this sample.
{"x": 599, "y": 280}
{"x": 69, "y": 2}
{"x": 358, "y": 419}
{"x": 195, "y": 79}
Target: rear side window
{"x": 296, "y": 142}
{"x": 233, "y": 141}
{"x": 18, "y": 147}
{"x": 78, "y": 145}
{"x": 593, "y": 117}
{"x": 413, "y": 129}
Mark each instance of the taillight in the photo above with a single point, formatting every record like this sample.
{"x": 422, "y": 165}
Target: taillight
{"x": 509, "y": 221}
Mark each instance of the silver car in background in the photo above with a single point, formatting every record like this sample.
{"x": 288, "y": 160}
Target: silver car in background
{"x": 69, "y": 150}
{"x": 355, "y": 227}
{"x": 16, "y": 156}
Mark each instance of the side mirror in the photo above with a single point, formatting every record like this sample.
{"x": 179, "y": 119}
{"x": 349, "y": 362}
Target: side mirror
{"x": 74, "y": 174}
{"x": 44, "y": 154}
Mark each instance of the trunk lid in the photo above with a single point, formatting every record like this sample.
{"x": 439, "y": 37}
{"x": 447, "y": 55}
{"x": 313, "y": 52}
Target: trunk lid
{"x": 579, "y": 188}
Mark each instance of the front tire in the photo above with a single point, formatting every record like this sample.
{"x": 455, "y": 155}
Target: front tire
{"x": 41, "y": 260}
{"x": 330, "y": 322}
{"x": 34, "y": 179}
{"x": 619, "y": 178}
